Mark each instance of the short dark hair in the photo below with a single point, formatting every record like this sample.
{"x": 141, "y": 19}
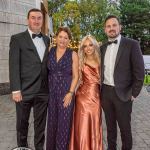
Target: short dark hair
{"x": 34, "y": 10}
{"x": 112, "y": 16}
{"x": 65, "y": 29}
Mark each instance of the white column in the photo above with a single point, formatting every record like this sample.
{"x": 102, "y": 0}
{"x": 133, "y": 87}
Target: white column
{"x": 38, "y": 3}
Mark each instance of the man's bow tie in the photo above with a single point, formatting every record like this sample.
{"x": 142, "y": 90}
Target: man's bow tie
{"x": 36, "y": 35}
{"x": 110, "y": 42}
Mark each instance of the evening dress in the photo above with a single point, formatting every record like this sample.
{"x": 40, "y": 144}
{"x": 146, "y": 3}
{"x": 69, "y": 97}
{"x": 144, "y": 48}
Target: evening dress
{"x": 87, "y": 122}
{"x": 59, "y": 118}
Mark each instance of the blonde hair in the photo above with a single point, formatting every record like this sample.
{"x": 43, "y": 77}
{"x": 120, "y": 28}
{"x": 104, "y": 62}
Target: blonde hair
{"x": 81, "y": 54}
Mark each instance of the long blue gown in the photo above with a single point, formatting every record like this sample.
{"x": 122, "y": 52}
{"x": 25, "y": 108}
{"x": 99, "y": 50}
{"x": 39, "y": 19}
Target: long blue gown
{"x": 59, "y": 118}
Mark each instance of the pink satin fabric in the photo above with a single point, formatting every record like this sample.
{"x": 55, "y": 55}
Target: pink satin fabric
{"x": 86, "y": 131}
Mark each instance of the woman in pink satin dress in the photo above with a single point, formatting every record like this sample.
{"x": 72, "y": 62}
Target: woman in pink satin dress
{"x": 86, "y": 131}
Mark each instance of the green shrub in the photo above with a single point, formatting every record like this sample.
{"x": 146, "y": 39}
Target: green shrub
{"x": 147, "y": 80}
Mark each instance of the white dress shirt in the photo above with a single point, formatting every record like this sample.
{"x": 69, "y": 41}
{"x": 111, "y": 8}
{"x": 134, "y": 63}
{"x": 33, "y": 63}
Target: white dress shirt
{"x": 39, "y": 44}
{"x": 109, "y": 62}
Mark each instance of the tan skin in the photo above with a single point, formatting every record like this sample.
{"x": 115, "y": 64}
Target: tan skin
{"x": 90, "y": 54}
{"x": 35, "y": 22}
{"x": 112, "y": 30}
{"x": 62, "y": 41}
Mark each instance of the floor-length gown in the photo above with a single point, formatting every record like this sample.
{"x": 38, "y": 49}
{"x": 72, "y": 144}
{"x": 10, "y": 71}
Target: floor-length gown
{"x": 59, "y": 118}
{"x": 87, "y": 123}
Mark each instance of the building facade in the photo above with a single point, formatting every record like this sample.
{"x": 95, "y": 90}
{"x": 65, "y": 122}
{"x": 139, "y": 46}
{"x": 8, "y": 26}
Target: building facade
{"x": 13, "y": 16}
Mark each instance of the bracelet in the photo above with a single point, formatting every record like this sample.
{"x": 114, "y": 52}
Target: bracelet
{"x": 71, "y": 92}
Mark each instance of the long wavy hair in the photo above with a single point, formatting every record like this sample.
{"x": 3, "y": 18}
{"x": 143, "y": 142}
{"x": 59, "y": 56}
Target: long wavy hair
{"x": 81, "y": 54}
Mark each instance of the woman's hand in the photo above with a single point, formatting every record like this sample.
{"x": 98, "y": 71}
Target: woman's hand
{"x": 67, "y": 99}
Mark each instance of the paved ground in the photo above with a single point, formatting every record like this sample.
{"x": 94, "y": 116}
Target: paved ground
{"x": 140, "y": 124}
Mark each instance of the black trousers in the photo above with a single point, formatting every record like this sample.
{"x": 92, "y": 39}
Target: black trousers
{"x": 116, "y": 111}
{"x": 23, "y": 109}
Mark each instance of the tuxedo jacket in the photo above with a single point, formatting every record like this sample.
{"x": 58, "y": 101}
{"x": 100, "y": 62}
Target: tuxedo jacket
{"x": 129, "y": 68}
{"x": 26, "y": 71}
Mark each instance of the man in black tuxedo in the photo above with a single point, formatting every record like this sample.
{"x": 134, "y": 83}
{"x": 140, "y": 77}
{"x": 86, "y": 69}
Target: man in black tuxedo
{"x": 28, "y": 78}
{"x": 122, "y": 80}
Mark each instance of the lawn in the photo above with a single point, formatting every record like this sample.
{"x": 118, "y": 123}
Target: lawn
{"x": 147, "y": 80}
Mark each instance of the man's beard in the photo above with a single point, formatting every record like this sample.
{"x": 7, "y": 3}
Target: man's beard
{"x": 113, "y": 36}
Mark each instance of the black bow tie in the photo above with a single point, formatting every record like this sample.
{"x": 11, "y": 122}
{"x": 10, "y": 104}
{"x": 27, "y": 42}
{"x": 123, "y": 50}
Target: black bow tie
{"x": 110, "y": 42}
{"x": 36, "y": 35}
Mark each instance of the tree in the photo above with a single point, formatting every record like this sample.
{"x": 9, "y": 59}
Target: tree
{"x": 135, "y": 18}
{"x": 82, "y": 16}
{"x": 55, "y": 5}
{"x": 93, "y": 13}
{"x": 68, "y": 15}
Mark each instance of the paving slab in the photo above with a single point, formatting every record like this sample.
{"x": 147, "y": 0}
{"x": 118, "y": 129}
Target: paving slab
{"x": 140, "y": 124}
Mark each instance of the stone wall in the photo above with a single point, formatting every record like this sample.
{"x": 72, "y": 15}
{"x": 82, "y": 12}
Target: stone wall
{"x": 12, "y": 20}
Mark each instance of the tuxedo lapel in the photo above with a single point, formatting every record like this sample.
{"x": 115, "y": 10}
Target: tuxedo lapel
{"x": 120, "y": 50}
{"x": 30, "y": 43}
{"x": 103, "y": 51}
{"x": 46, "y": 45}
{"x": 45, "y": 41}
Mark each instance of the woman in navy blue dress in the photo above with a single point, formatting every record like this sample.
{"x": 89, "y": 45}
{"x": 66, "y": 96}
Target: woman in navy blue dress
{"x": 63, "y": 78}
